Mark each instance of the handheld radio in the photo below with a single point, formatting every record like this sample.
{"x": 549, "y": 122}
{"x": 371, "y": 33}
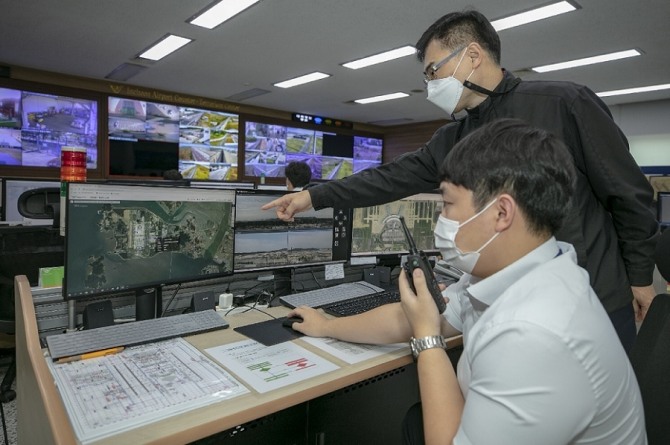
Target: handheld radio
{"x": 418, "y": 260}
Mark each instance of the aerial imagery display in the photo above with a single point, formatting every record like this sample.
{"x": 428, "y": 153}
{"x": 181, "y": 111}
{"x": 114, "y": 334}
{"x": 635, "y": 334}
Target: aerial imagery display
{"x": 149, "y": 242}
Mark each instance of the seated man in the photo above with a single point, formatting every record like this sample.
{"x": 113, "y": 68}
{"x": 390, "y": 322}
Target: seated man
{"x": 541, "y": 361}
{"x": 298, "y": 175}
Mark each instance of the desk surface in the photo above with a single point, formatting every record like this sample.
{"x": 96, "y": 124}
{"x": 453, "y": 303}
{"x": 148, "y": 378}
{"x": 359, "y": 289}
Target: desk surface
{"x": 220, "y": 416}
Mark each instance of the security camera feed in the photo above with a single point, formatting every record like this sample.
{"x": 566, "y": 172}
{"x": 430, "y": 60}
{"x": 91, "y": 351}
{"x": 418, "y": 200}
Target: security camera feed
{"x": 208, "y": 144}
{"x": 264, "y": 242}
{"x": 367, "y": 153}
{"x": 137, "y": 119}
{"x": 123, "y": 237}
{"x": 34, "y": 127}
{"x": 269, "y": 148}
{"x": 376, "y": 230}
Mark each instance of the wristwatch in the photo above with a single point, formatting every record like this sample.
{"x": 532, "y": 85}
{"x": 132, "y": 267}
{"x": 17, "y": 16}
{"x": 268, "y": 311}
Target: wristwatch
{"x": 421, "y": 344}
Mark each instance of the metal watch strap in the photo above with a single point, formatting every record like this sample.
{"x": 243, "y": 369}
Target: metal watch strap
{"x": 421, "y": 344}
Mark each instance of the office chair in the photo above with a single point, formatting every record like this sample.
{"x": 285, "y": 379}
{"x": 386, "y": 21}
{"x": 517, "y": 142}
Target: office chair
{"x": 650, "y": 355}
{"x": 41, "y": 203}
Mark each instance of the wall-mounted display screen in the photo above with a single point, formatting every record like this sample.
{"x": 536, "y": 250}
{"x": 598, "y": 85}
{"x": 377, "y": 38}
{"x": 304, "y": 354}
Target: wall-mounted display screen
{"x": 34, "y": 127}
{"x": 208, "y": 144}
{"x": 269, "y": 148}
{"x": 201, "y": 144}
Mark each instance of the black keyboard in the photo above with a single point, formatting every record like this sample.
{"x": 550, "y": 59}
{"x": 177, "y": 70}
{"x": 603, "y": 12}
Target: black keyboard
{"x": 358, "y": 305}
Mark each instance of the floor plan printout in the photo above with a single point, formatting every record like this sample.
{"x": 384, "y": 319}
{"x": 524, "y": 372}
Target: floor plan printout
{"x": 138, "y": 386}
{"x": 270, "y": 367}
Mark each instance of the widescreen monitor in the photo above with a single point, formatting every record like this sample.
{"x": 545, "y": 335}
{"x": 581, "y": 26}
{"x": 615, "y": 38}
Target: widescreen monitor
{"x": 262, "y": 241}
{"x": 133, "y": 237}
{"x": 12, "y": 189}
{"x": 34, "y": 126}
{"x": 377, "y": 231}
{"x": 269, "y": 148}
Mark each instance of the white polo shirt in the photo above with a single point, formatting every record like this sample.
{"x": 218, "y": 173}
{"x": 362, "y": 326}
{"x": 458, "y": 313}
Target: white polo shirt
{"x": 542, "y": 363}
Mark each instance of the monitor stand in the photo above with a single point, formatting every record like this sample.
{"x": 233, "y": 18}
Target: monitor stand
{"x": 148, "y": 303}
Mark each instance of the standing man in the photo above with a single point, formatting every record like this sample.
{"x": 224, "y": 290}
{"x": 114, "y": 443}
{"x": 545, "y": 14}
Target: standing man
{"x": 610, "y": 222}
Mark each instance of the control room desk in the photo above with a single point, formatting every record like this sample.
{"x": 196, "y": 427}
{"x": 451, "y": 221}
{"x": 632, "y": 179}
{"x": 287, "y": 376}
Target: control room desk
{"x": 42, "y": 417}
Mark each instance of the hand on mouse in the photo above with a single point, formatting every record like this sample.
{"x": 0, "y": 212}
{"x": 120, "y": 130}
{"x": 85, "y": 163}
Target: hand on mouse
{"x": 312, "y": 324}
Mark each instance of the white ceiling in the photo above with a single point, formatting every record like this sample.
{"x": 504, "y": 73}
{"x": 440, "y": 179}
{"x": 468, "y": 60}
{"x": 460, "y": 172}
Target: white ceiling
{"x": 280, "y": 39}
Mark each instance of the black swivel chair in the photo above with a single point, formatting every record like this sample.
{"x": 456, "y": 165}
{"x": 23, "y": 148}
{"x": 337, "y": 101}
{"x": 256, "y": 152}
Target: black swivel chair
{"x": 650, "y": 355}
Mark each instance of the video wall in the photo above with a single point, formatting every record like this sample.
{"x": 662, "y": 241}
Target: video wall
{"x": 269, "y": 148}
{"x": 147, "y": 138}
{"x": 34, "y": 126}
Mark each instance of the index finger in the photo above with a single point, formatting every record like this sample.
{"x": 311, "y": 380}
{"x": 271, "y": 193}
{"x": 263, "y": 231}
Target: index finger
{"x": 272, "y": 204}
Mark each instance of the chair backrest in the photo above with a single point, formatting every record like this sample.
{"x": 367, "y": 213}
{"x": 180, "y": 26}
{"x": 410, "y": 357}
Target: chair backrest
{"x": 41, "y": 203}
{"x": 650, "y": 357}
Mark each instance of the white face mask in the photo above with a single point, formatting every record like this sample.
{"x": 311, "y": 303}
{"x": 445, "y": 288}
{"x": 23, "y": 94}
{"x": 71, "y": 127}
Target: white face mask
{"x": 446, "y": 92}
{"x": 445, "y": 240}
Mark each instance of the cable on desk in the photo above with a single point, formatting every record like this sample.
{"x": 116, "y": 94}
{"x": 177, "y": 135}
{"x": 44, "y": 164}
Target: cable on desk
{"x": 315, "y": 280}
{"x": 171, "y": 298}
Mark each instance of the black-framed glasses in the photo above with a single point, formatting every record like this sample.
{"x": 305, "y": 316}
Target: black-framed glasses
{"x": 430, "y": 74}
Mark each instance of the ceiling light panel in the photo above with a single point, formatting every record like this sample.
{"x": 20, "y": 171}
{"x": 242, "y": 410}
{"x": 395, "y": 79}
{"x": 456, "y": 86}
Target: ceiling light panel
{"x": 588, "y": 61}
{"x": 381, "y": 98}
{"x": 533, "y": 15}
{"x": 165, "y": 46}
{"x": 221, "y": 12}
{"x": 647, "y": 89}
{"x": 381, "y": 57}
{"x": 302, "y": 80}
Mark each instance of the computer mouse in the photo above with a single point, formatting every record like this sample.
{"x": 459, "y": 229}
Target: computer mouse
{"x": 288, "y": 322}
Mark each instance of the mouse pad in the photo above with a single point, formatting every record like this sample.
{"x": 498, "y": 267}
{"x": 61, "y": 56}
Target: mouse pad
{"x": 269, "y": 332}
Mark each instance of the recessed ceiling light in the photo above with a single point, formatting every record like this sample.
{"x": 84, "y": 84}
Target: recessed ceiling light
{"x": 533, "y": 15}
{"x": 381, "y": 57}
{"x": 165, "y": 46}
{"x": 588, "y": 61}
{"x": 220, "y": 12}
{"x": 302, "y": 79}
{"x": 665, "y": 86}
{"x": 382, "y": 98}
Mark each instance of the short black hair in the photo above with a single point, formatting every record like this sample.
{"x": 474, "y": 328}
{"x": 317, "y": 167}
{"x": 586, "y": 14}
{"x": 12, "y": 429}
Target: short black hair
{"x": 529, "y": 164}
{"x": 457, "y": 29}
{"x": 298, "y": 173}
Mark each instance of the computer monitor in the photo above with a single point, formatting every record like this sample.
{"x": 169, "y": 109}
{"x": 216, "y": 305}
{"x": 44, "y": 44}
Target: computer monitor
{"x": 23, "y": 251}
{"x": 12, "y": 189}
{"x": 262, "y": 241}
{"x": 663, "y": 208}
{"x": 138, "y": 237}
{"x": 377, "y": 231}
